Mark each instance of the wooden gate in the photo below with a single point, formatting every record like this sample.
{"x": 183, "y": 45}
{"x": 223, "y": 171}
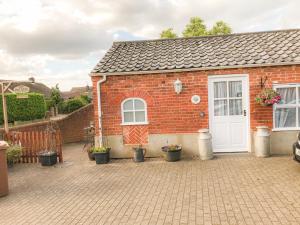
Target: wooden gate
{"x": 35, "y": 141}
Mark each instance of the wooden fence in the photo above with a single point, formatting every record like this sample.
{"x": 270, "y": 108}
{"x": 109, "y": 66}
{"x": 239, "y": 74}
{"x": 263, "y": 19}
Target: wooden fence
{"x": 35, "y": 141}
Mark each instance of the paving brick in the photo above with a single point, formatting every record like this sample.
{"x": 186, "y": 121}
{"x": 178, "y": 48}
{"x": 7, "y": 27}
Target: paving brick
{"x": 226, "y": 190}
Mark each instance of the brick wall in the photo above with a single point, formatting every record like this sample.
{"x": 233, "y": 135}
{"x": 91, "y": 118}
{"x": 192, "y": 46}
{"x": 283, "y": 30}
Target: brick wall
{"x": 72, "y": 126}
{"x": 172, "y": 113}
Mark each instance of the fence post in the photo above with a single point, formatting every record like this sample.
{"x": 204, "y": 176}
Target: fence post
{"x": 3, "y": 169}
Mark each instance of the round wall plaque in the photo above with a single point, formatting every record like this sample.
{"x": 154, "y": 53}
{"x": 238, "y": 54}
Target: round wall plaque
{"x": 195, "y": 99}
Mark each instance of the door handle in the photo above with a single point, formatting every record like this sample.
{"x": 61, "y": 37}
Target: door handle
{"x": 245, "y": 112}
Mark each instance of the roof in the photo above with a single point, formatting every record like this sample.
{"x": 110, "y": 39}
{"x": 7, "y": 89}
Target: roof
{"x": 76, "y": 92}
{"x": 281, "y": 47}
{"x": 33, "y": 87}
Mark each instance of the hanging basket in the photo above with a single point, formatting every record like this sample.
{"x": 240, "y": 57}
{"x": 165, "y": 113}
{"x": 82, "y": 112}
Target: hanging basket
{"x": 268, "y": 97}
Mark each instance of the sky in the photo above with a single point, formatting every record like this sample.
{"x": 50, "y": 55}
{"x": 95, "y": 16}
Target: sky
{"x": 60, "y": 41}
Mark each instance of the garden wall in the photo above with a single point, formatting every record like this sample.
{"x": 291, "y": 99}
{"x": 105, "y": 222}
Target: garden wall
{"x": 71, "y": 127}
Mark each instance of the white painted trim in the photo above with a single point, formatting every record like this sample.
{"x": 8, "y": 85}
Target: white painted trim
{"x": 284, "y": 106}
{"x": 99, "y": 82}
{"x": 247, "y": 104}
{"x": 132, "y": 124}
{"x": 134, "y": 110}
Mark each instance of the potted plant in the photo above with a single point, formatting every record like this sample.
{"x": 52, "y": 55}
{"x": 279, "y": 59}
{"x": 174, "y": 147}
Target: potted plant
{"x": 13, "y": 154}
{"x": 48, "y": 157}
{"x": 89, "y": 149}
{"x": 172, "y": 152}
{"x": 139, "y": 153}
{"x": 101, "y": 154}
{"x": 268, "y": 97}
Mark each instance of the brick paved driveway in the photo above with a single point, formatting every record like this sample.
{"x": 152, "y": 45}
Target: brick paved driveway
{"x": 232, "y": 189}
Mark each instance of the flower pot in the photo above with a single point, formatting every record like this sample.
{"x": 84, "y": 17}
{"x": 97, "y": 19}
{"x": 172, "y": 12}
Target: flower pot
{"x": 10, "y": 163}
{"x": 48, "y": 159}
{"x": 91, "y": 156}
{"x": 101, "y": 157}
{"x": 172, "y": 155}
{"x": 138, "y": 155}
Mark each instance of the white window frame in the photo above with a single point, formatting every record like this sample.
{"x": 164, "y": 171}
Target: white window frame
{"x": 278, "y": 106}
{"x": 134, "y": 110}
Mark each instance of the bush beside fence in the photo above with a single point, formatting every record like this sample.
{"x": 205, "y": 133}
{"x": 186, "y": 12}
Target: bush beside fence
{"x": 24, "y": 109}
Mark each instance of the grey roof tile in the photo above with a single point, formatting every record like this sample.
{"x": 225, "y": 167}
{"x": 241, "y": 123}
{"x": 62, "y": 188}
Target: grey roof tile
{"x": 258, "y": 48}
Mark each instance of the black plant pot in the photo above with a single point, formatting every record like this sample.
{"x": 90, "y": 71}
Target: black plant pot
{"x": 138, "y": 155}
{"x": 48, "y": 159}
{"x": 91, "y": 156}
{"x": 10, "y": 163}
{"x": 172, "y": 155}
{"x": 101, "y": 157}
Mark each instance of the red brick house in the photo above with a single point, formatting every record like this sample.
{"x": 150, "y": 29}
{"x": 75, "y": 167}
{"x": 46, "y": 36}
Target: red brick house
{"x": 135, "y": 89}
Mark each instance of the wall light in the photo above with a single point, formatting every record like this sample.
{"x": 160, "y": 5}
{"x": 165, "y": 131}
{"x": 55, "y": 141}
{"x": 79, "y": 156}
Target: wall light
{"x": 178, "y": 86}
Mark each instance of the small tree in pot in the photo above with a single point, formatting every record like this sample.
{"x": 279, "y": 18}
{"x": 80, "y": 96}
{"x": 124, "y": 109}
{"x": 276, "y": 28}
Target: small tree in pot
{"x": 172, "y": 152}
{"x": 139, "y": 153}
{"x": 101, "y": 154}
{"x": 48, "y": 158}
{"x": 13, "y": 154}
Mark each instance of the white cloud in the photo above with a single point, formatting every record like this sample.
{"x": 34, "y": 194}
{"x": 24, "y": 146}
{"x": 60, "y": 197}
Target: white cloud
{"x": 61, "y": 41}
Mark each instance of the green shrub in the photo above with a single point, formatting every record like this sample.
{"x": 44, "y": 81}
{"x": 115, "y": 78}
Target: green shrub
{"x": 24, "y": 109}
{"x": 13, "y": 153}
{"x": 100, "y": 149}
{"x": 49, "y": 104}
{"x": 71, "y": 105}
{"x": 86, "y": 99}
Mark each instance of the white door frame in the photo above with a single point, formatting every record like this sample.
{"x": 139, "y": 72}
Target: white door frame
{"x": 247, "y": 104}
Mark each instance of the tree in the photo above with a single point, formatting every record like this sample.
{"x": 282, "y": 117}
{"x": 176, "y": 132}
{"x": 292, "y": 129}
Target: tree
{"x": 56, "y": 98}
{"x": 195, "y": 28}
{"x": 220, "y": 28}
{"x": 168, "y": 33}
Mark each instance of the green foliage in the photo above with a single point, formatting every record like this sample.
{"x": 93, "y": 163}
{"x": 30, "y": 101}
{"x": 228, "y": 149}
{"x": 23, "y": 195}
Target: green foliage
{"x": 49, "y": 104}
{"x": 56, "y": 95}
{"x": 86, "y": 99}
{"x": 220, "y": 28}
{"x": 24, "y": 109}
{"x": 100, "y": 149}
{"x": 71, "y": 105}
{"x": 168, "y": 33}
{"x": 173, "y": 147}
{"x": 13, "y": 153}
{"x": 195, "y": 28}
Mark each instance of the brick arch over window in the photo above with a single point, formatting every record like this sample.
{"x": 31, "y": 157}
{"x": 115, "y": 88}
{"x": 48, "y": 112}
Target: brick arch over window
{"x": 135, "y": 94}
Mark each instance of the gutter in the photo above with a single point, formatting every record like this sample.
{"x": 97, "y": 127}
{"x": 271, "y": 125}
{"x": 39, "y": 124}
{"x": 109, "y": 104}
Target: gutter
{"x": 143, "y": 72}
{"x": 99, "y": 82}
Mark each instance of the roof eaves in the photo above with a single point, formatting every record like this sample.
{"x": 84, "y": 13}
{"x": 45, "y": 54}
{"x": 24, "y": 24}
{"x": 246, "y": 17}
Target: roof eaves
{"x": 193, "y": 69}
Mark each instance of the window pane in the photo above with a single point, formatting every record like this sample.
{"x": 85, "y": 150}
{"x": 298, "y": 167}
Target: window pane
{"x": 235, "y": 88}
{"x": 140, "y": 117}
{"x": 220, "y": 89}
{"x": 220, "y": 107}
{"x": 138, "y": 104}
{"x": 128, "y": 105}
{"x": 285, "y": 117}
{"x": 235, "y": 107}
{"x": 288, "y": 95}
{"x": 128, "y": 117}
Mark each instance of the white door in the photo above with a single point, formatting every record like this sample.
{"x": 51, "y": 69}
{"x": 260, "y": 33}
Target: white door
{"x": 228, "y": 113}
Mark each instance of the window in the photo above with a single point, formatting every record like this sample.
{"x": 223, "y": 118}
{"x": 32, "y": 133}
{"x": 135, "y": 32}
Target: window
{"x": 134, "y": 111}
{"x": 286, "y": 115}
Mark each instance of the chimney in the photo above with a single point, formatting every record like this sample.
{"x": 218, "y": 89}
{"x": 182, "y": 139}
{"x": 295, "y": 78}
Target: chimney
{"x": 31, "y": 79}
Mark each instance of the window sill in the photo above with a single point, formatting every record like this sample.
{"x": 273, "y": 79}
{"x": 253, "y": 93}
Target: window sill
{"x": 286, "y": 129}
{"x": 133, "y": 124}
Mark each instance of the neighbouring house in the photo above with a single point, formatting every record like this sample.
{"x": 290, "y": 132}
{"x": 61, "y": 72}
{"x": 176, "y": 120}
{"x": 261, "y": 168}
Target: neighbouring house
{"x": 32, "y": 86}
{"x": 158, "y": 92}
{"x": 77, "y": 92}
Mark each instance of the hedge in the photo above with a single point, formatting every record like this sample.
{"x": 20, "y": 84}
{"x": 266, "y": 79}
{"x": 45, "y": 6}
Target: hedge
{"x": 71, "y": 105}
{"x": 24, "y": 109}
